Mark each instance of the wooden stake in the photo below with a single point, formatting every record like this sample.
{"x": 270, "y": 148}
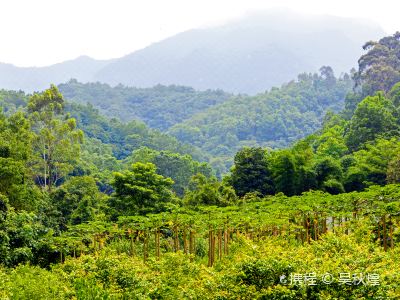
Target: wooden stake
{"x": 219, "y": 244}
{"x": 384, "y": 233}
{"x": 145, "y": 247}
{"x": 176, "y": 239}
{"x": 185, "y": 243}
{"x": 157, "y": 242}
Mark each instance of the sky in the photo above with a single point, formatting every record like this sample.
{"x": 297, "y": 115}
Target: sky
{"x": 44, "y": 32}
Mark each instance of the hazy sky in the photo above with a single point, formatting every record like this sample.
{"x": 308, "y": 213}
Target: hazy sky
{"x": 43, "y": 32}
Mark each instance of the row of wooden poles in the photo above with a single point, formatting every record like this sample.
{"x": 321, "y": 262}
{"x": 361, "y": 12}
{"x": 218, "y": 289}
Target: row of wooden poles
{"x": 303, "y": 227}
{"x": 218, "y": 242}
{"x": 189, "y": 242}
{"x": 221, "y": 238}
{"x": 315, "y": 224}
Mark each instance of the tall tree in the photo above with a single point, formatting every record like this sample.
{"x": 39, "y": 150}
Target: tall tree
{"x": 379, "y": 68}
{"x": 57, "y": 141}
{"x": 251, "y": 172}
{"x": 285, "y": 173}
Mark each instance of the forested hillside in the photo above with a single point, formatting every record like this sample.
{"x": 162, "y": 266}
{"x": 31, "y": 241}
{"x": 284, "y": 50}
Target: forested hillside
{"x": 109, "y": 143}
{"x": 159, "y": 107}
{"x": 93, "y": 208}
{"x": 219, "y": 123}
{"x": 355, "y": 148}
{"x": 275, "y": 118}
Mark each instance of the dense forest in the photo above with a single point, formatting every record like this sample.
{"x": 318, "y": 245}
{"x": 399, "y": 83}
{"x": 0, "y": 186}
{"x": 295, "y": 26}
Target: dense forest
{"x": 92, "y": 207}
{"x": 159, "y": 107}
{"x": 275, "y": 118}
{"x": 219, "y": 123}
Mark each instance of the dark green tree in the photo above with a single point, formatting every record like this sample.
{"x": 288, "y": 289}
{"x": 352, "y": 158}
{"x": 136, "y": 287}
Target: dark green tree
{"x": 78, "y": 200}
{"x": 251, "y": 172}
{"x": 284, "y": 170}
{"x": 329, "y": 175}
{"x": 140, "y": 190}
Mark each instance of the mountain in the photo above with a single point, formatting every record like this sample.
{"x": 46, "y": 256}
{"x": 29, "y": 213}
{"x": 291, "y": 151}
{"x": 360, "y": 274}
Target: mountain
{"x": 32, "y": 79}
{"x": 122, "y": 138}
{"x": 220, "y": 123}
{"x": 159, "y": 107}
{"x": 246, "y": 55}
{"x": 275, "y": 119}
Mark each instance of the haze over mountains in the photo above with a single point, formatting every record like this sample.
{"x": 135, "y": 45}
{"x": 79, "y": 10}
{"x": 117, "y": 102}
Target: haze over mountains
{"x": 248, "y": 55}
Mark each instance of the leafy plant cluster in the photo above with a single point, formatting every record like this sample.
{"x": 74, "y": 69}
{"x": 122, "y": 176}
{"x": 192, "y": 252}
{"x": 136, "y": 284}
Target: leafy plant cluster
{"x": 249, "y": 246}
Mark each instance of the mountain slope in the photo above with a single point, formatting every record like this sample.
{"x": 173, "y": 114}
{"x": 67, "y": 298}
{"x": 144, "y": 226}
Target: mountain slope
{"x": 248, "y": 55}
{"x": 159, "y": 107}
{"x": 275, "y": 118}
{"x": 123, "y": 138}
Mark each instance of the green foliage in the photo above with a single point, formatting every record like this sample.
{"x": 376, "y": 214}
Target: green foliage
{"x": 331, "y": 141}
{"x": 12, "y": 101}
{"x": 78, "y": 200}
{"x": 327, "y": 169}
{"x": 127, "y": 137}
{"x": 393, "y": 171}
{"x": 275, "y": 118}
{"x": 26, "y": 282}
{"x": 208, "y": 191}
{"x": 140, "y": 190}
{"x": 48, "y": 103}
{"x": 251, "y": 172}
{"x": 180, "y": 168}
{"x": 285, "y": 172}
{"x": 159, "y": 107}
{"x": 23, "y": 238}
{"x": 379, "y": 68}
{"x": 373, "y": 117}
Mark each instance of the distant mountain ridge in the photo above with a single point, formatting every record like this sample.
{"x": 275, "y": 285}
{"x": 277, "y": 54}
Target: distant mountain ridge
{"x": 247, "y": 55}
{"x": 31, "y": 79}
